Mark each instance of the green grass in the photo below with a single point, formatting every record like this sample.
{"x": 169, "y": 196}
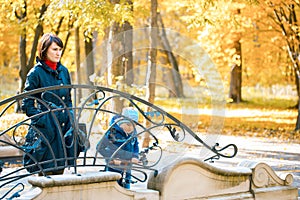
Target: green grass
{"x": 260, "y": 102}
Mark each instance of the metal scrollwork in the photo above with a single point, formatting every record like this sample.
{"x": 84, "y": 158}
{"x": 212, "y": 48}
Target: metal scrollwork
{"x": 93, "y": 112}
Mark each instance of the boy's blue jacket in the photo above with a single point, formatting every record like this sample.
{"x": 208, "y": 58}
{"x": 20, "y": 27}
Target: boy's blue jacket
{"x": 114, "y": 138}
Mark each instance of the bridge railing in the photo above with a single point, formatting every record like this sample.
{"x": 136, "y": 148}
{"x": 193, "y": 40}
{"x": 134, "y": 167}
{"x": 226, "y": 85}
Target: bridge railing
{"x": 90, "y": 116}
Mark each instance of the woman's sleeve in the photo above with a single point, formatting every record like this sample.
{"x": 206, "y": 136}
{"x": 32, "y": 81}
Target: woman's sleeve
{"x": 69, "y": 103}
{"x": 32, "y": 82}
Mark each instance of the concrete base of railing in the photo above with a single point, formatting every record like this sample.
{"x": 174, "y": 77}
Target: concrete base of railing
{"x": 97, "y": 185}
{"x": 189, "y": 178}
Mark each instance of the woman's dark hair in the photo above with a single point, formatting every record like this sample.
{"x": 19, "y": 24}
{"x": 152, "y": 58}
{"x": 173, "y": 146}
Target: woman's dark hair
{"x": 45, "y": 42}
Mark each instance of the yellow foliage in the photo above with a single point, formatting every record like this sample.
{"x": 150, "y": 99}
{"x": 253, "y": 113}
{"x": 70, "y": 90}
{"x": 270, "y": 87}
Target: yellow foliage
{"x": 10, "y": 120}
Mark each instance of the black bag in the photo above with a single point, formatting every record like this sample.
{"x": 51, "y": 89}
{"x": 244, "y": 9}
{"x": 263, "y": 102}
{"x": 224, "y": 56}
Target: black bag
{"x": 102, "y": 147}
{"x": 105, "y": 146}
{"x": 34, "y": 150}
{"x": 83, "y": 143}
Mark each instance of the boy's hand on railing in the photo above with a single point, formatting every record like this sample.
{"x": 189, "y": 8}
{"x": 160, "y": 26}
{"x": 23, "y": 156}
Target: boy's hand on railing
{"x": 116, "y": 162}
{"x": 124, "y": 162}
{"x": 135, "y": 161}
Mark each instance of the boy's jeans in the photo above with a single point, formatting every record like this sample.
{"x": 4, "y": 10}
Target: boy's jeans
{"x": 124, "y": 181}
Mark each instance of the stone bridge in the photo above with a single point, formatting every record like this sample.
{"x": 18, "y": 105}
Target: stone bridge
{"x": 165, "y": 171}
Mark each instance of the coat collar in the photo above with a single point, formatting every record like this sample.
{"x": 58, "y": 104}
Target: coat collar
{"x": 42, "y": 64}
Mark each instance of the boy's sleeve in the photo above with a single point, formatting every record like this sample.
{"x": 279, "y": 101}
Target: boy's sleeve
{"x": 136, "y": 149}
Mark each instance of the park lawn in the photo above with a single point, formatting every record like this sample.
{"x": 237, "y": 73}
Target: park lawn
{"x": 269, "y": 120}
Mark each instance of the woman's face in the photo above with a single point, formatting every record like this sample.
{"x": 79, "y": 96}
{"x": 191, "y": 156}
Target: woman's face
{"x": 54, "y": 53}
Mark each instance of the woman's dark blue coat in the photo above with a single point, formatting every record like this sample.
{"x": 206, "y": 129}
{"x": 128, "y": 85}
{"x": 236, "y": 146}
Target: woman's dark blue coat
{"x": 53, "y": 125}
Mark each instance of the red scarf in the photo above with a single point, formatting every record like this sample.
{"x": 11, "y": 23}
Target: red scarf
{"x": 51, "y": 64}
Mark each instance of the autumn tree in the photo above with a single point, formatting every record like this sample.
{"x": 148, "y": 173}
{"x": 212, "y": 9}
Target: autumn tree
{"x": 26, "y": 16}
{"x": 22, "y": 13}
{"x": 218, "y": 25}
{"x": 286, "y": 16}
{"x": 176, "y": 86}
{"x": 151, "y": 68}
{"x": 235, "y": 89}
{"x": 221, "y": 36}
{"x": 119, "y": 48}
{"x": 9, "y": 42}
{"x": 128, "y": 48}
{"x": 30, "y": 19}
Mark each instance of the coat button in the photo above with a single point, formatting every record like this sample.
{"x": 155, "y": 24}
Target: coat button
{"x": 63, "y": 124}
{"x": 61, "y": 84}
{"x": 63, "y": 98}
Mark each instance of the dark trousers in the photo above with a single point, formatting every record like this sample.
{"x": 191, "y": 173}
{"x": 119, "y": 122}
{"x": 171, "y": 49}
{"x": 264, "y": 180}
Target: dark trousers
{"x": 125, "y": 180}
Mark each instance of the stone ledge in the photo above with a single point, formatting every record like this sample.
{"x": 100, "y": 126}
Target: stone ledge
{"x": 188, "y": 178}
{"x": 192, "y": 178}
{"x": 264, "y": 176}
{"x": 73, "y": 179}
{"x": 93, "y": 185}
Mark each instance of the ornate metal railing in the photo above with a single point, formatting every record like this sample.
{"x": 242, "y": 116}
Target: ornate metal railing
{"x": 90, "y": 123}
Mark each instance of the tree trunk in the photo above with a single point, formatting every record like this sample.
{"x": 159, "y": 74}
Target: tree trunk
{"x": 66, "y": 41}
{"x": 292, "y": 40}
{"x": 297, "y": 82}
{"x": 298, "y": 117}
{"x": 89, "y": 60}
{"x": 23, "y": 59}
{"x": 22, "y": 70}
{"x": 176, "y": 78}
{"x": 77, "y": 60}
{"x": 24, "y": 66}
{"x": 151, "y": 70}
{"x": 128, "y": 59}
{"x": 115, "y": 53}
{"x": 235, "y": 92}
{"x": 88, "y": 46}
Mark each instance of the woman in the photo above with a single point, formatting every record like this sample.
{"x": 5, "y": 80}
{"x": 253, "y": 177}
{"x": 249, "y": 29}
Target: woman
{"x": 48, "y": 71}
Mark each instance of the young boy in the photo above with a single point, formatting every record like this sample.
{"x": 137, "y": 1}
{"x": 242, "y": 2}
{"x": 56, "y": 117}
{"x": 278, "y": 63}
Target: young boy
{"x": 123, "y": 127}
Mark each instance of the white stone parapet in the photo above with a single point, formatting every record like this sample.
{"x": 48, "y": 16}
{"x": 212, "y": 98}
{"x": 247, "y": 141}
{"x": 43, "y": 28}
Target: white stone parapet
{"x": 191, "y": 178}
{"x": 188, "y": 178}
{"x": 96, "y": 185}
